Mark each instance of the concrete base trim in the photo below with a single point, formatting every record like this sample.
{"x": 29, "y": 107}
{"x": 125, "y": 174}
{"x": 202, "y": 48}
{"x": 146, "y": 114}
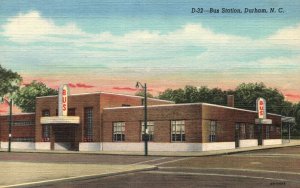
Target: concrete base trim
{"x": 19, "y": 145}
{"x": 272, "y": 142}
{"x": 248, "y": 143}
{"x": 123, "y": 146}
{"x": 217, "y": 146}
{"x": 89, "y": 146}
{"x": 42, "y": 145}
{"x": 180, "y": 147}
{"x": 175, "y": 146}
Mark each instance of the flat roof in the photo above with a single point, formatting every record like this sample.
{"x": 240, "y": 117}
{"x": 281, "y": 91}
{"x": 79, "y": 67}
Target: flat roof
{"x": 109, "y": 93}
{"x": 187, "y": 104}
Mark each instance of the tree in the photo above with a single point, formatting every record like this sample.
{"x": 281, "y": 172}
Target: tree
{"x": 246, "y": 95}
{"x": 9, "y": 81}
{"x": 25, "y": 97}
{"x": 191, "y": 94}
{"x": 141, "y": 93}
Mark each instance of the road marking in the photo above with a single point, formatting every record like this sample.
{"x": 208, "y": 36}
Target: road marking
{"x": 234, "y": 169}
{"x": 142, "y": 162}
{"x": 221, "y": 175}
{"x": 171, "y": 161}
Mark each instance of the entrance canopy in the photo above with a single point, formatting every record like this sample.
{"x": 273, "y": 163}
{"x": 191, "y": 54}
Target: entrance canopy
{"x": 263, "y": 121}
{"x": 60, "y": 120}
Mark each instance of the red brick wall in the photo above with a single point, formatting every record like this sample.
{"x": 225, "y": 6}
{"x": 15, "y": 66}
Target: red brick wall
{"x": 96, "y": 100}
{"x": 17, "y": 131}
{"x": 161, "y": 115}
{"x": 79, "y": 102}
{"x": 227, "y": 117}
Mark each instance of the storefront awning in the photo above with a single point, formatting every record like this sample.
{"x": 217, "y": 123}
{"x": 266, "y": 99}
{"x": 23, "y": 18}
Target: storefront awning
{"x": 60, "y": 120}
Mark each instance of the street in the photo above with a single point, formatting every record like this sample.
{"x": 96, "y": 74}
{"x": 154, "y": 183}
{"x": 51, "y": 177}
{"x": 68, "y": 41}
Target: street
{"x": 278, "y": 167}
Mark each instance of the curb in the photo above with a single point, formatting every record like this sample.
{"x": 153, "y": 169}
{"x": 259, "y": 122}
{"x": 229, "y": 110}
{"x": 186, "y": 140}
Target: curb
{"x": 77, "y": 178}
{"x": 203, "y": 154}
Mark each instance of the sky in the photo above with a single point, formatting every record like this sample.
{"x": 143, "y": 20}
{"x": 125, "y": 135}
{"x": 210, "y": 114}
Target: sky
{"x": 110, "y": 45}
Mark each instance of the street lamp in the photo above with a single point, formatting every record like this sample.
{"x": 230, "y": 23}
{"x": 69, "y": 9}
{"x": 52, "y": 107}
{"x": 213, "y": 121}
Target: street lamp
{"x": 138, "y": 84}
{"x": 10, "y": 102}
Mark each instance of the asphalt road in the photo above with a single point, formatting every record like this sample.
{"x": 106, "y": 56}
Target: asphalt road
{"x": 264, "y": 168}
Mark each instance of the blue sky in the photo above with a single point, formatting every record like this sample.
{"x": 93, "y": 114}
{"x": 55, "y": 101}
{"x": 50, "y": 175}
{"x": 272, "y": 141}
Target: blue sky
{"x": 111, "y": 44}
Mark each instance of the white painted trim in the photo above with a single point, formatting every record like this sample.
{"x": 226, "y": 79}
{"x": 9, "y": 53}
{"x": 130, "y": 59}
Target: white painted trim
{"x": 168, "y": 147}
{"x": 19, "y": 145}
{"x": 180, "y": 147}
{"x": 248, "y": 143}
{"x": 60, "y": 120}
{"x": 89, "y": 146}
{"x": 43, "y": 146}
{"x": 217, "y": 146}
{"x": 267, "y": 142}
{"x": 123, "y": 146}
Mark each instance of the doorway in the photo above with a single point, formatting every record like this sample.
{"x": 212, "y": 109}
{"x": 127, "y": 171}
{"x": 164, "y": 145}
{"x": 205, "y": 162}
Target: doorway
{"x": 237, "y": 135}
{"x": 259, "y": 134}
{"x": 64, "y": 137}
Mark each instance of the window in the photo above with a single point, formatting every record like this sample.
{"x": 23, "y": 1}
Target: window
{"x": 71, "y": 112}
{"x": 24, "y": 123}
{"x": 29, "y": 139}
{"x": 46, "y": 128}
{"x": 178, "y": 131}
{"x": 272, "y": 128}
{"x": 212, "y": 131}
{"x": 267, "y": 132}
{"x": 150, "y": 127}
{"x": 88, "y": 124}
{"x": 250, "y": 131}
{"x": 278, "y": 130}
{"x": 118, "y": 131}
{"x": 242, "y": 131}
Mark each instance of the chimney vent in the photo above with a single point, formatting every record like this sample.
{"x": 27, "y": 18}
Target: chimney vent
{"x": 230, "y": 100}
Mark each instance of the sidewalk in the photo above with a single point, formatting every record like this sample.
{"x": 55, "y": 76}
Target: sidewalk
{"x": 165, "y": 153}
{"x": 26, "y": 174}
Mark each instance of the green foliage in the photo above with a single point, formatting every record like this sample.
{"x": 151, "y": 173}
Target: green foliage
{"x": 9, "y": 81}
{"x": 245, "y": 96}
{"x": 141, "y": 93}
{"x": 25, "y": 97}
{"x": 191, "y": 94}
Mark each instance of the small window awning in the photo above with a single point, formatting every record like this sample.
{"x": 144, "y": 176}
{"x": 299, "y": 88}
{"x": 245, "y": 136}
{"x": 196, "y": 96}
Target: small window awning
{"x": 60, "y": 120}
{"x": 285, "y": 119}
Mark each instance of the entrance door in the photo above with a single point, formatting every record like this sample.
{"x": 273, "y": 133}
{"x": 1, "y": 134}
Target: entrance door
{"x": 259, "y": 134}
{"x": 64, "y": 136}
{"x": 237, "y": 135}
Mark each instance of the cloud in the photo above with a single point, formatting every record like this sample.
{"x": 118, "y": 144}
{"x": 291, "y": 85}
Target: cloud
{"x": 125, "y": 89}
{"x": 287, "y": 36}
{"x": 31, "y": 27}
{"x": 80, "y": 85}
{"x": 292, "y": 97}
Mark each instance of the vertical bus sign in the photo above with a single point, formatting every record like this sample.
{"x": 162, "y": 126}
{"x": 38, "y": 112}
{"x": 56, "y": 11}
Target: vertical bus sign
{"x": 63, "y": 100}
{"x": 261, "y": 108}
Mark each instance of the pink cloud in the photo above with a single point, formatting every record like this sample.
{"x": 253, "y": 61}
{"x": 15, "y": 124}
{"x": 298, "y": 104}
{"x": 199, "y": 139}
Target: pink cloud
{"x": 128, "y": 89}
{"x": 80, "y": 85}
{"x": 124, "y": 89}
{"x": 292, "y": 97}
